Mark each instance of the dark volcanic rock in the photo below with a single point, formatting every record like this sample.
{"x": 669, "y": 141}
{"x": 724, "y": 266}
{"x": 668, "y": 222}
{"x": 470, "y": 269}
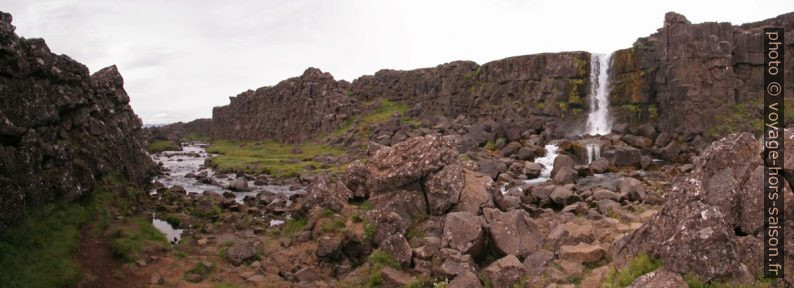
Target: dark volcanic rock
{"x": 61, "y": 129}
{"x": 539, "y": 82}
{"x": 201, "y": 128}
{"x": 711, "y": 222}
{"x": 293, "y": 110}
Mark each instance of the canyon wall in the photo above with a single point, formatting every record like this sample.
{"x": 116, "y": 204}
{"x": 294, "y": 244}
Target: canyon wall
{"x": 198, "y": 129}
{"x": 293, "y": 110}
{"x": 541, "y": 90}
{"x": 696, "y": 78}
{"x": 686, "y": 79}
{"x": 61, "y": 129}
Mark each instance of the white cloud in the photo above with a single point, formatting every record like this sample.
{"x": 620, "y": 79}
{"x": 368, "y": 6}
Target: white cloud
{"x": 181, "y": 58}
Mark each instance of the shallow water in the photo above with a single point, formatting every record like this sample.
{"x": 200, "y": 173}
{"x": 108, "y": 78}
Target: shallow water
{"x": 190, "y": 160}
{"x": 172, "y": 234}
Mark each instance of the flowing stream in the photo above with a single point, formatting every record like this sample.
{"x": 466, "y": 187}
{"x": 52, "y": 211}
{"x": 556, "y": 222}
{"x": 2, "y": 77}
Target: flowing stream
{"x": 181, "y": 164}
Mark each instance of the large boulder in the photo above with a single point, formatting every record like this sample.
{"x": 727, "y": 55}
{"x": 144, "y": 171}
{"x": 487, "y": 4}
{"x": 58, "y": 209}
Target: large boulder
{"x": 504, "y": 272}
{"x": 325, "y": 193}
{"x": 443, "y": 189}
{"x": 632, "y": 189}
{"x": 475, "y": 192}
{"x": 410, "y": 161}
{"x": 513, "y": 232}
{"x": 623, "y": 156}
{"x": 562, "y": 162}
{"x": 463, "y": 231}
{"x": 710, "y": 225}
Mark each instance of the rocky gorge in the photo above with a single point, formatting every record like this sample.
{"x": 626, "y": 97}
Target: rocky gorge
{"x": 635, "y": 169}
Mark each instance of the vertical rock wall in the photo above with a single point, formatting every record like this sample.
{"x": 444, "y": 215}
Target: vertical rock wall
{"x": 61, "y": 129}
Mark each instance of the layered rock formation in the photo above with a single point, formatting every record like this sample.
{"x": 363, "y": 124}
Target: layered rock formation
{"x": 294, "y": 110}
{"x": 199, "y": 128}
{"x": 690, "y": 78}
{"x": 61, "y": 129}
{"x": 533, "y": 90}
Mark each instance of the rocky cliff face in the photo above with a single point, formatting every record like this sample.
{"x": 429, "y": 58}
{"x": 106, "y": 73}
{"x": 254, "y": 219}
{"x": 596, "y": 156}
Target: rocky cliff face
{"x": 695, "y": 78}
{"x": 542, "y": 90}
{"x": 200, "y": 128}
{"x": 294, "y": 110}
{"x": 61, "y": 129}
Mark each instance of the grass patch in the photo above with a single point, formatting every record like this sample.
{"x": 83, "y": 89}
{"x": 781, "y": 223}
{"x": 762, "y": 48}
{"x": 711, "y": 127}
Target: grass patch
{"x": 335, "y": 225}
{"x": 131, "y": 240}
{"x": 379, "y": 257}
{"x": 41, "y": 250}
{"x": 225, "y": 285}
{"x": 693, "y": 281}
{"x": 164, "y": 145}
{"x": 292, "y": 226}
{"x": 270, "y": 157}
{"x": 200, "y": 269}
{"x": 637, "y": 266}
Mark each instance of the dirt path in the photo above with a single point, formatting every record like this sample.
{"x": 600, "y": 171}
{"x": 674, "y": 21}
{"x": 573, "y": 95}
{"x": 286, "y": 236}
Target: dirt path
{"x": 100, "y": 268}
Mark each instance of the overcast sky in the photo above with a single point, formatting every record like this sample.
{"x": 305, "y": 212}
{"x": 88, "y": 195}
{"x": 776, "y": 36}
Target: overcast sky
{"x": 181, "y": 58}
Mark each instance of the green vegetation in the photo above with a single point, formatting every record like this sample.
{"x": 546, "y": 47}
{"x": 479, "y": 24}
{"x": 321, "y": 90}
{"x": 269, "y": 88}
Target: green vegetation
{"x": 332, "y": 225}
{"x": 269, "y": 157}
{"x": 41, "y": 250}
{"x": 172, "y": 220}
{"x": 369, "y": 231}
{"x": 743, "y": 117}
{"x": 693, "y": 281}
{"x": 130, "y": 241}
{"x": 379, "y": 257}
{"x": 201, "y": 269}
{"x": 637, "y": 266}
{"x": 293, "y": 225}
{"x": 361, "y": 125}
{"x": 581, "y": 65}
{"x": 194, "y": 137}
{"x": 160, "y": 146}
{"x": 574, "y": 97}
{"x": 213, "y": 213}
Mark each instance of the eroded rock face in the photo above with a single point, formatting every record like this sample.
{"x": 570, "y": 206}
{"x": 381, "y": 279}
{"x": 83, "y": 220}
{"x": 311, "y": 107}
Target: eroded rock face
{"x": 698, "y": 70}
{"x": 710, "y": 222}
{"x": 293, "y": 110}
{"x": 61, "y": 129}
{"x": 539, "y": 82}
{"x": 174, "y": 132}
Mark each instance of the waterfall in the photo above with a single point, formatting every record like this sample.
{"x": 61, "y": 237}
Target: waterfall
{"x": 598, "y": 119}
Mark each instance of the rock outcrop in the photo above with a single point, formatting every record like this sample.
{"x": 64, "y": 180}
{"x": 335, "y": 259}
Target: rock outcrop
{"x": 527, "y": 91}
{"x": 61, "y": 129}
{"x": 293, "y": 110}
{"x": 694, "y": 78}
{"x": 199, "y": 128}
{"x": 712, "y": 222}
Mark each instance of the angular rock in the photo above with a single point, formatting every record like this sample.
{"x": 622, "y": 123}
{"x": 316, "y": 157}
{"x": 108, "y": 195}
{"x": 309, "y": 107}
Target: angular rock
{"x": 503, "y": 272}
{"x": 581, "y": 253}
{"x": 513, "y": 232}
{"x": 463, "y": 231}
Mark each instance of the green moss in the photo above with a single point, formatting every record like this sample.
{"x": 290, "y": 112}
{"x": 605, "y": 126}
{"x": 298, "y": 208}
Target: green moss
{"x": 637, "y": 266}
{"x": 369, "y": 231}
{"x": 160, "y": 146}
{"x": 41, "y": 249}
{"x": 269, "y": 157}
{"x": 581, "y": 64}
{"x": 652, "y": 112}
{"x": 379, "y": 257}
{"x": 540, "y": 106}
{"x": 292, "y": 226}
{"x": 575, "y": 99}
{"x": 225, "y": 285}
{"x": 427, "y": 282}
{"x": 563, "y": 106}
{"x": 332, "y": 225}
{"x": 375, "y": 278}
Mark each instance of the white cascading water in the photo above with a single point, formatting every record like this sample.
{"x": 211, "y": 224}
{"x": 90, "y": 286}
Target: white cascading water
{"x": 548, "y": 162}
{"x": 598, "y": 120}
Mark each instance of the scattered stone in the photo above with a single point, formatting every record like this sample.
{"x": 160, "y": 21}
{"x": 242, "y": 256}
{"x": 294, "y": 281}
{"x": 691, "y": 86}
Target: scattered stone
{"x": 503, "y": 272}
{"x": 581, "y": 253}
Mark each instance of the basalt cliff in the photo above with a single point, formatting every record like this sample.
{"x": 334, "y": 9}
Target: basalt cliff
{"x": 686, "y": 80}
{"x": 61, "y": 128}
